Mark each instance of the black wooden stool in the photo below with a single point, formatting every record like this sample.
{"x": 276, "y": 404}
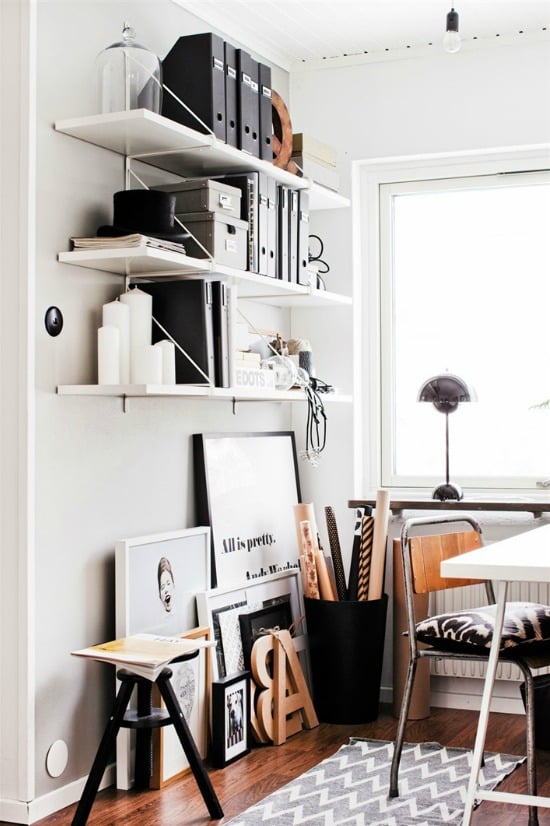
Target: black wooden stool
{"x": 144, "y": 719}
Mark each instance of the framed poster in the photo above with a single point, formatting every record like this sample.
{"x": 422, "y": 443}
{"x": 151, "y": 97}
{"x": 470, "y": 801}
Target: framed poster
{"x": 230, "y": 718}
{"x": 285, "y": 588}
{"x": 156, "y": 580}
{"x": 246, "y": 486}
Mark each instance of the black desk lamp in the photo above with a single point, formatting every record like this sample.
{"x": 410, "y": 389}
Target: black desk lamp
{"x": 446, "y": 392}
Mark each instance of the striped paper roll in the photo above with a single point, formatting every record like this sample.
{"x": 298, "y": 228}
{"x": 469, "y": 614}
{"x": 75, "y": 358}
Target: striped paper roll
{"x": 354, "y": 565}
{"x": 336, "y": 554}
{"x": 365, "y": 556}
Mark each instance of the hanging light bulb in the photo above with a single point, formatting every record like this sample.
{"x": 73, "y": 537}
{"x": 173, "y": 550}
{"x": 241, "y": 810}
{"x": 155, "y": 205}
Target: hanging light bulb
{"x": 451, "y": 41}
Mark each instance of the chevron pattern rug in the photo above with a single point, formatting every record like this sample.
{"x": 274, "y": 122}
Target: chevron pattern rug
{"x": 351, "y": 788}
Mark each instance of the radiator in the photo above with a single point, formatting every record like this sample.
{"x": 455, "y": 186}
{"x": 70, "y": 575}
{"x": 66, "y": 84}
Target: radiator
{"x": 456, "y": 599}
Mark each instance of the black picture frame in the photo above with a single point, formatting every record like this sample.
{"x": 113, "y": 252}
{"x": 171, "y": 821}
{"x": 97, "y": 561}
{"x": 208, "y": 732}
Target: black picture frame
{"x": 278, "y": 614}
{"x": 230, "y": 719}
{"x": 246, "y": 487}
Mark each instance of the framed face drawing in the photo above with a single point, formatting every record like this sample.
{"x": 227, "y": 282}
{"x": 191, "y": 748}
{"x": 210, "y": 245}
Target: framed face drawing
{"x": 157, "y": 578}
{"x": 246, "y": 486}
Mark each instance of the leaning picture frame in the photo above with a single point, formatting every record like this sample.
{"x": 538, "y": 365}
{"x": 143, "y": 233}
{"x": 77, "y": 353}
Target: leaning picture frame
{"x": 246, "y": 487}
{"x": 191, "y": 681}
{"x": 270, "y": 590}
{"x": 230, "y": 719}
{"x": 157, "y": 578}
{"x": 276, "y": 615}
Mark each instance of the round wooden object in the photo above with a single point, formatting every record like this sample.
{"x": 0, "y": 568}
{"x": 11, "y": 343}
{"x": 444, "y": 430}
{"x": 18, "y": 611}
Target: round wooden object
{"x": 282, "y": 131}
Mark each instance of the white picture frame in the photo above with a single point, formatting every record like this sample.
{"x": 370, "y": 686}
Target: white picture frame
{"x": 141, "y": 607}
{"x": 255, "y": 594}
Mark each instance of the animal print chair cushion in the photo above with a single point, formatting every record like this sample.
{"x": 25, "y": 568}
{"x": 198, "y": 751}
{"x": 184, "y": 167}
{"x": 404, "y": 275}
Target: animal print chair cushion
{"x": 526, "y": 624}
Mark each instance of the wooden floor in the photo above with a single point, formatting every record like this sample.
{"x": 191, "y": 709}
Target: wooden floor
{"x": 267, "y": 768}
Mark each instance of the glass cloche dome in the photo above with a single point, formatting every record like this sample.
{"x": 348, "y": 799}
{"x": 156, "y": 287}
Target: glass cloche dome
{"x": 129, "y": 76}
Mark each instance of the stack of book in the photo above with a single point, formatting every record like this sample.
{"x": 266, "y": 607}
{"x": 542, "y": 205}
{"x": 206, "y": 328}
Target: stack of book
{"x": 315, "y": 160}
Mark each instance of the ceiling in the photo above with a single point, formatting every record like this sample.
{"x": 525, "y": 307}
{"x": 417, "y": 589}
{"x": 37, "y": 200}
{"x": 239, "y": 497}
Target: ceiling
{"x": 293, "y": 33}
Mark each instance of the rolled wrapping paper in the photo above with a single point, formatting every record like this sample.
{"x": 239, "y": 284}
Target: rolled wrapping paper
{"x": 305, "y": 512}
{"x": 108, "y": 355}
{"x": 326, "y": 586}
{"x": 365, "y": 557}
{"x": 307, "y": 560}
{"x": 117, "y": 314}
{"x": 336, "y": 553}
{"x": 378, "y": 560}
{"x": 168, "y": 351}
{"x": 147, "y": 365}
{"x": 354, "y": 564}
{"x": 141, "y": 321}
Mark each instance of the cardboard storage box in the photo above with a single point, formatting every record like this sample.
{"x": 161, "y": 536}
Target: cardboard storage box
{"x": 225, "y": 238}
{"x": 205, "y": 196}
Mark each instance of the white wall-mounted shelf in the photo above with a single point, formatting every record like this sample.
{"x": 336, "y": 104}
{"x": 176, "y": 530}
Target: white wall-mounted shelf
{"x": 192, "y": 391}
{"x": 151, "y": 138}
{"x": 148, "y": 264}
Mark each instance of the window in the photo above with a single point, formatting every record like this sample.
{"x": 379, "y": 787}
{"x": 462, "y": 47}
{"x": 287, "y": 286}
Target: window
{"x": 464, "y": 269}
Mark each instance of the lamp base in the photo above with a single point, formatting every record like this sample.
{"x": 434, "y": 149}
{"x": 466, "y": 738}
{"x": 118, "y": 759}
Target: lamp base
{"x": 447, "y": 491}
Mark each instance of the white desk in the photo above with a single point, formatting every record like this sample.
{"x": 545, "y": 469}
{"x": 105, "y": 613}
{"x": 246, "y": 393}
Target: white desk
{"x": 522, "y": 558}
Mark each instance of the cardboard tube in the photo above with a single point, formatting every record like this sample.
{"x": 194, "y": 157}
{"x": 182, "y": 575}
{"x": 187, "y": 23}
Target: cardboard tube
{"x": 381, "y": 518}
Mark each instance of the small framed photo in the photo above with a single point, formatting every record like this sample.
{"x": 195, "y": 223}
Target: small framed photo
{"x": 230, "y": 718}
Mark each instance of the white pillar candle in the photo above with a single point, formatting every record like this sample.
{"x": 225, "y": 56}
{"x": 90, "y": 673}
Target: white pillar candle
{"x": 141, "y": 320}
{"x": 117, "y": 314}
{"x": 168, "y": 351}
{"x": 108, "y": 355}
{"x": 147, "y": 365}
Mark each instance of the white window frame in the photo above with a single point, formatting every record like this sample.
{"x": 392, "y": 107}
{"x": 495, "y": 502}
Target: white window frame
{"x": 367, "y": 178}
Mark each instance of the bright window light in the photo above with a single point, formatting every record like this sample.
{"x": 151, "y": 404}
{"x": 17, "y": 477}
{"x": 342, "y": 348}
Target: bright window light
{"x": 465, "y": 286}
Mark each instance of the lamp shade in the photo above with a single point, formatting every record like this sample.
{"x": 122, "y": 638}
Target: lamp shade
{"x": 446, "y": 392}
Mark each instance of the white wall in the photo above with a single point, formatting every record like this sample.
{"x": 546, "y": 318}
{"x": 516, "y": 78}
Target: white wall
{"x": 101, "y": 474}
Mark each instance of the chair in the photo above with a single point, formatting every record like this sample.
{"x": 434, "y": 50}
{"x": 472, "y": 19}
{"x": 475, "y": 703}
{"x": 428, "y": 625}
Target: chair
{"x": 465, "y": 634}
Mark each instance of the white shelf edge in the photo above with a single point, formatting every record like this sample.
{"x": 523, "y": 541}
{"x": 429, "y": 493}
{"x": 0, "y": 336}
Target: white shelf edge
{"x": 190, "y": 391}
{"x": 148, "y": 264}
{"x": 321, "y": 197}
{"x": 156, "y": 140}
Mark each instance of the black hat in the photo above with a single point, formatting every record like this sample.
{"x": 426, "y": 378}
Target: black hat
{"x": 145, "y": 211}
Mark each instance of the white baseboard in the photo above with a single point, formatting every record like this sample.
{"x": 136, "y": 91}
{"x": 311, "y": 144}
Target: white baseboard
{"x": 16, "y": 811}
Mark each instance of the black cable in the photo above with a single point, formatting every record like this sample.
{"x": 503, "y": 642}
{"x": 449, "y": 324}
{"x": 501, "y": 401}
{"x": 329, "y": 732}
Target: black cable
{"x": 324, "y": 267}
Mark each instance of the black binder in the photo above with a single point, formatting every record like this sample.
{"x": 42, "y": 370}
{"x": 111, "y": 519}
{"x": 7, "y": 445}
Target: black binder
{"x": 231, "y": 110}
{"x": 303, "y": 238}
{"x": 248, "y": 103}
{"x": 266, "y": 116}
{"x": 221, "y": 329}
{"x": 263, "y": 224}
{"x": 194, "y": 70}
{"x": 184, "y": 308}
{"x": 254, "y": 209}
{"x": 282, "y": 240}
{"x": 272, "y": 227}
{"x": 293, "y": 236}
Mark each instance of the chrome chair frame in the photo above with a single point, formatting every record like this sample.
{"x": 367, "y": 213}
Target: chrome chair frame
{"x": 416, "y": 653}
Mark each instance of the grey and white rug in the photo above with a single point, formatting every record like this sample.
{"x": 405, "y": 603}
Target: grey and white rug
{"x": 351, "y": 788}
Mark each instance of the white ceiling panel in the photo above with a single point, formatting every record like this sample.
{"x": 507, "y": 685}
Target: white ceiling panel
{"x": 294, "y": 32}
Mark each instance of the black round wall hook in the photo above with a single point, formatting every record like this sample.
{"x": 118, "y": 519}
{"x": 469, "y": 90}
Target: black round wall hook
{"x": 53, "y": 321}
